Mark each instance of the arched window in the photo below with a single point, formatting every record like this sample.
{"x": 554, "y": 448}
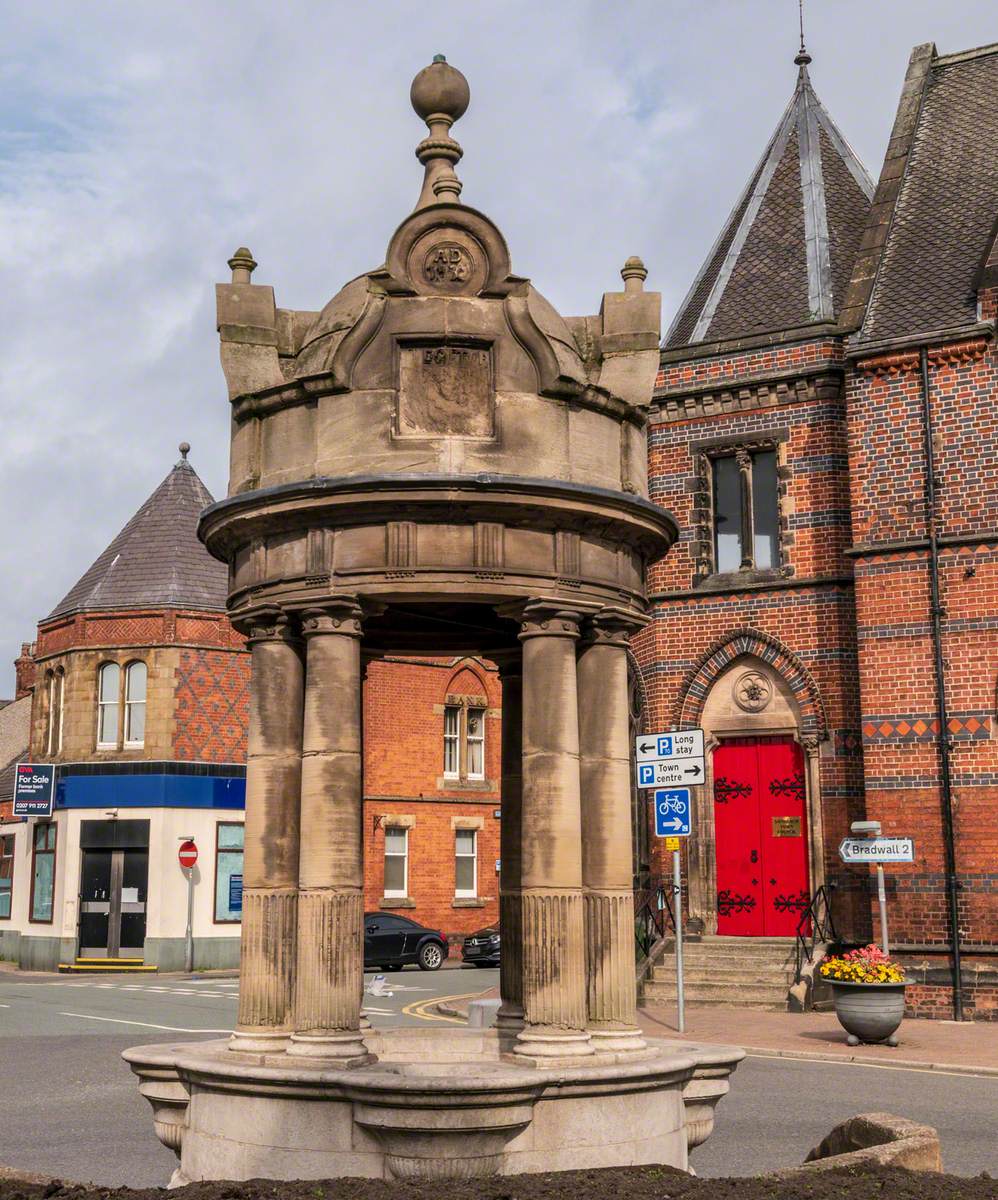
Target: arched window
{"x": 108, "y": 704}
{"x": 135, "y": 703}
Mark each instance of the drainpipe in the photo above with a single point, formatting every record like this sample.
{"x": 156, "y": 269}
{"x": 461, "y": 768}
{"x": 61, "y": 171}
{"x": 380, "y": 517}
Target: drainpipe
{"x": 952, "y": 882}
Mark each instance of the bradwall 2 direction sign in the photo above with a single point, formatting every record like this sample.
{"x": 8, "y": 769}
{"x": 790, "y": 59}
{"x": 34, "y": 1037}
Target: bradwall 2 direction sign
{"x": 877, "y": 850}
{"x": 672, "y": 812}
{"x": 670, "y": 759}
{"x": 34, "y": 790}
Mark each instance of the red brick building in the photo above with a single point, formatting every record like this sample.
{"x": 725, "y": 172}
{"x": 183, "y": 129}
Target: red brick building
{"x": 825, "y": 430}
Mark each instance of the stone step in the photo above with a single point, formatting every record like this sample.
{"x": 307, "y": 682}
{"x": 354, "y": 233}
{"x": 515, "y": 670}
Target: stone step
{"x": 722, "y": 1002}
{"x": 666, "y": 973}
{"x": 720, "y": 993}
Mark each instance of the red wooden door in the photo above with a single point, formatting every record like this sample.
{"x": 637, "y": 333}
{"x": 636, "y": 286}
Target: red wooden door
{"x": 760, "y": 824}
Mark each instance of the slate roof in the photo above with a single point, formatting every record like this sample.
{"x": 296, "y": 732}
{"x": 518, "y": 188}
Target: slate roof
{"x": 156, "y": 561}
{"x": 15, "y": 734}
{"x": 943, "y": 221}
{"x": 785, "y": 254}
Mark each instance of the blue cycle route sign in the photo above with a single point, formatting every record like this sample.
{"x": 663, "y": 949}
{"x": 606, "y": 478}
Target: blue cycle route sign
{"x": 672, "y": 812}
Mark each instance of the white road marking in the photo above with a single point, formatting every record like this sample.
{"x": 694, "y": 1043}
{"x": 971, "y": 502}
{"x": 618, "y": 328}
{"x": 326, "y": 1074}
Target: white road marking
{"x": 4, "y": 1006}
{"x": 144, "y": 1024}
{"x": 379, "y": 1012}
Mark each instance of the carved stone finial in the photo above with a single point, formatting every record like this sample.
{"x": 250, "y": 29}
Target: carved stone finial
{"x": 243, "y": 265}
{"x": 185, "y": 449}
{"x": 634, "y": 273}
{"x": 440, "y": 95}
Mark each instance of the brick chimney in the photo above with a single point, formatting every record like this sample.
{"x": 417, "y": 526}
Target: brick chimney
{"x": 24, "y": 671}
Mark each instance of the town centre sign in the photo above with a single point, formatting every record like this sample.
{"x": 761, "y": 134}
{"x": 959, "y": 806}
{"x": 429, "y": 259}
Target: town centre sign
{"x": 437, "y": 463}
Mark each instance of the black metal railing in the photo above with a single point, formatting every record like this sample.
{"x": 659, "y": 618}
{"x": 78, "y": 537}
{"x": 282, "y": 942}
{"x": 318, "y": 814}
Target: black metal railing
{"x": 653, "y": 914}
{"x": 816, "y": 926}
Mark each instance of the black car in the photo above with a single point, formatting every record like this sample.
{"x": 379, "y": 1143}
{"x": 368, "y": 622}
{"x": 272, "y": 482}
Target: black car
{"x": 482, "y": 947}
{"x": 391, "y": 941}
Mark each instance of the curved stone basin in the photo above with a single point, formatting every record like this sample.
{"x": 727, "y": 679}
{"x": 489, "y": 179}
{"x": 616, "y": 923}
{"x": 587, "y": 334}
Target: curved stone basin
{"x": 438, "y": 1103}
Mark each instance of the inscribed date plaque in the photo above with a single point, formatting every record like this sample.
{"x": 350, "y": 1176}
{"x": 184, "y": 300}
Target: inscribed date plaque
{"x": 445, "y": 391}
{"x": 786, "y": 826}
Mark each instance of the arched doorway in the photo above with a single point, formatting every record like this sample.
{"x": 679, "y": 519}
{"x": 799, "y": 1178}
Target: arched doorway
{"x": 756, "y": 854}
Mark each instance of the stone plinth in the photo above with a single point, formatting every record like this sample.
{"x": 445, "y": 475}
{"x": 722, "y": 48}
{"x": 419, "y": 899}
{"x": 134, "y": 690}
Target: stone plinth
{"x": 413, "y": 1115}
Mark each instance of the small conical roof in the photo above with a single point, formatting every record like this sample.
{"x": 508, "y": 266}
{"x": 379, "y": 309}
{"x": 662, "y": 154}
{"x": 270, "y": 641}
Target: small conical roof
{"x": 156, "y": 561}
{"x": 785, "y": 254}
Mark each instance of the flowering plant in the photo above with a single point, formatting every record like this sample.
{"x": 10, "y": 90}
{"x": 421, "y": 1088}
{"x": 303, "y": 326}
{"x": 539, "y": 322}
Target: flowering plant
{"x": 867, "y": 965}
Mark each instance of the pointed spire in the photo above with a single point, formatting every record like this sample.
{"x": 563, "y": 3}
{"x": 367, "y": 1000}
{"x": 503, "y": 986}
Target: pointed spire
{"x": 784, "y": 256}
{"x": 440, "y": 95}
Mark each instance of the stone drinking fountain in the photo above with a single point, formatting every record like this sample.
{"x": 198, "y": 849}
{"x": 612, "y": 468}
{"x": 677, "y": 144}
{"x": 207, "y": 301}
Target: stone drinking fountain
{"x": 437, "y": 463}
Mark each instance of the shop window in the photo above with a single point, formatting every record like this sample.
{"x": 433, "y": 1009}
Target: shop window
{"x": 465, "y": 863}
{"x": 464, "y": 742}
{"x": 56, "y": 681}
{"x": 43, "y": 873}
{"x": 108, "y": 689}
{"x": 396, "y": 861}
{"x": 228, "y": 872}
{"x": 135, "y": 703}
{"x": 6, "y": 875}
{"x": 746, "y": 511}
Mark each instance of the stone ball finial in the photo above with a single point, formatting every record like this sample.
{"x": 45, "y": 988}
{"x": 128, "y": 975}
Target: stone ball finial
{"x": 634, "y": 273}
{"x": 242, "y": 265}
{"x": 185, "y": 449}
{"x": 440, "y": 88}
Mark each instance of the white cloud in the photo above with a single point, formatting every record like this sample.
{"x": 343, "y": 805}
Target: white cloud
{"x": 142, "y": 142}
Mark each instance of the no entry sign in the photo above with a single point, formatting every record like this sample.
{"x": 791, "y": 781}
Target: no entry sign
{"x": 188, "y": 854}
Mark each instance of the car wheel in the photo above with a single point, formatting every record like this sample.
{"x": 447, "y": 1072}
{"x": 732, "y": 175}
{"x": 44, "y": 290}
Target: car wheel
{"x": 430, "y": 957}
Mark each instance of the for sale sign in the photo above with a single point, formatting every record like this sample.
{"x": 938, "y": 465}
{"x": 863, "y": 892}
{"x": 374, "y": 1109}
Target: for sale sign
{"x": 34, "y": 790}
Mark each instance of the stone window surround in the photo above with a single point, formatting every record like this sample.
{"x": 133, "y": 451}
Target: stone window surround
{"x": 55, "y": 705}
{"x": 406, "y": 821}
{"x": 469, "y": 825}
{"x": 704, "y": 452}
{"x": 124, "y": 665}
{"x": 462, "y": 781}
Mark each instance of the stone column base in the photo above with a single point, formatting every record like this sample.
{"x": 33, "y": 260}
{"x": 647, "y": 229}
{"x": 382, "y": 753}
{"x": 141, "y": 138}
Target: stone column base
{"x": 263, "y": 1041}
{"x": 542, "y": 1047}
{"x": 609, "y": 1038}
{"x": 344, "y": 1048}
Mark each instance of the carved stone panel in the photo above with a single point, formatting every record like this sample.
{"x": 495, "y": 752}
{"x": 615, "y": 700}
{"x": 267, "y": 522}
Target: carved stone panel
{"x": 445, "y": 390}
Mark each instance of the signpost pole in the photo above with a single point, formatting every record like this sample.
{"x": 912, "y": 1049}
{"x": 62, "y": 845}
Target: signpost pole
{"x": 677, "y": 910}
{"x": 882, "y": 898}
{"x": 189, "y": 935}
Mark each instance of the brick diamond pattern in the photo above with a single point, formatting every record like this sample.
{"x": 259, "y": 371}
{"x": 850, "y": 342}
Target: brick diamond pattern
{"x": 963, "y": 726}
{"x": 212, "y": 706}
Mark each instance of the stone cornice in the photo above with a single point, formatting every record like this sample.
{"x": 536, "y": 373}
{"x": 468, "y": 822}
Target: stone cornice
{"x": 902, "y": 356}
{"x": 767, "y": 389}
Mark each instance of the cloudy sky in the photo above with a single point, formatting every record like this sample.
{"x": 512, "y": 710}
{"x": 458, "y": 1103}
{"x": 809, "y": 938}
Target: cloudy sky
{"x": 140, "y": 143}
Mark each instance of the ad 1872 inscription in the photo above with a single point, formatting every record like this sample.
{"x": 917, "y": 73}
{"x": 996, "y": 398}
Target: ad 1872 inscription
{"x": 445, "y": 391}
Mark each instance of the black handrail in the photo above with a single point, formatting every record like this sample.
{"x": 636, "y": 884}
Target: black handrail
{"x": 818, "y": 915}
{"x": 653, "y": 914}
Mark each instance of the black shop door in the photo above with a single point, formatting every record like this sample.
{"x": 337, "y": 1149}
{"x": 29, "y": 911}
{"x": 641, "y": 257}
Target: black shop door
{"x": 113, "y": 880}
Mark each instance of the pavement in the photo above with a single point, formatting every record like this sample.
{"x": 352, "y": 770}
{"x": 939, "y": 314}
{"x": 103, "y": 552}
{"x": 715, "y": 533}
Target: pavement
{"x": 969, "y": 1047}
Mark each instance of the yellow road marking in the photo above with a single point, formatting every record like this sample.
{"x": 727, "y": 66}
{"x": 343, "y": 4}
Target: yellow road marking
{"x": 418, "y": 1008}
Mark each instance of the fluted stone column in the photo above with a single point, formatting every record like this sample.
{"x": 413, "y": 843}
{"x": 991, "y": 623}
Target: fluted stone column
{"x": 329, "y": 974}
{"x": 554, "y": 986}
{"x": 607, "y": 870}
{"x": 510, "y": 1015}
{"x": 270, "y": 858}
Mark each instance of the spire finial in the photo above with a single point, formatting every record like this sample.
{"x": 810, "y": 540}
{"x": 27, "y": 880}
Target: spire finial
{"x": 242, "y": 265}
{"x": 634, "y": 273}
{"x": 185, "y": 449}
{"x": 803, "y": 58}
{"x": 440, "y": 95}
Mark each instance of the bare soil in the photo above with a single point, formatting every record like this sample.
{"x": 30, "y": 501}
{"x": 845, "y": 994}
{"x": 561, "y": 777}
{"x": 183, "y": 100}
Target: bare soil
{"x": 632, "y": 1183}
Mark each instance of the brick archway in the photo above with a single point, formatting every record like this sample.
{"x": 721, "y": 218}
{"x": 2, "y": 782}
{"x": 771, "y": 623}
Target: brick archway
{"x": 748, "y": 641}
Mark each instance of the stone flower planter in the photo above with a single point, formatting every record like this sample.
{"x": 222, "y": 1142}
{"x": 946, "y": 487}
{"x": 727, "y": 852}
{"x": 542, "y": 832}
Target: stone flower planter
{"x": 869, "y": 1012}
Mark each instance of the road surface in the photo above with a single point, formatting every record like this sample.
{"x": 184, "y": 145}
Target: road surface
{"x": 72, "y": 1108}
